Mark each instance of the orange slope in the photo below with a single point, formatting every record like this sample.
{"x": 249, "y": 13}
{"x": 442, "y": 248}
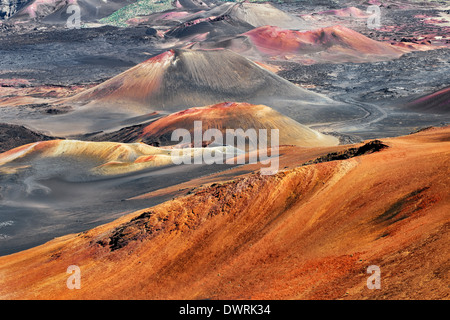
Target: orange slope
{"x": 232, "y": 115}
{"x": 95, "y": 158}
{"x": 92, "y": 158}
{"x": 305, "y": 233}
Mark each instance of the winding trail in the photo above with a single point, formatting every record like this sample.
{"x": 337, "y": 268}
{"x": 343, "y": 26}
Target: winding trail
{"x": 373, "y": 115}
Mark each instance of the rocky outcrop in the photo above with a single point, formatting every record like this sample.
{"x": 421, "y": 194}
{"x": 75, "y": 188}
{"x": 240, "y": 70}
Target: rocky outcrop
{"x": 9, "y": 7}
{"x": 12, "y": 136}
{"x": 369, "y": 147}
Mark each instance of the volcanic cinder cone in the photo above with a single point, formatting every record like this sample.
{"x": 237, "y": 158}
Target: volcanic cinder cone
{"x": 79, "y": 158}
{"x": 87, "y": 160}
{"x": 335, "y": 44}
{"x": 335, "y": 41}
{"x": 235, "y": 116}
{"x": 179, "y": 79}
{"x": 229, "y": 19}
{"x": 436, "y": 102}
{"x": 261, "y": 14}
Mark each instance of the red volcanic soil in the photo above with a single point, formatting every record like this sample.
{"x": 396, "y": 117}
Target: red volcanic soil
{"x": 135, "y": 84}
{"x": 437, "y": 102}
{"x": 305, "y": 233}
{"x": 337, "y": 43}
{"x": 232, "y": 115}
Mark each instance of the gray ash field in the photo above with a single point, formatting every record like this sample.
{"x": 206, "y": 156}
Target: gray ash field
{"x": 383, "y": 89}
{"x": 65, "y": 57}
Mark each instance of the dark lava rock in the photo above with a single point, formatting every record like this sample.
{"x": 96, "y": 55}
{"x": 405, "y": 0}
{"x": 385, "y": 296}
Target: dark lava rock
{"x": 369, "y": 147}
{"x": 12, "y": 136}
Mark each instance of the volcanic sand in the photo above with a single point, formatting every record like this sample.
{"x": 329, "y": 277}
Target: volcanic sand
{"x": 304, "y": 233}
